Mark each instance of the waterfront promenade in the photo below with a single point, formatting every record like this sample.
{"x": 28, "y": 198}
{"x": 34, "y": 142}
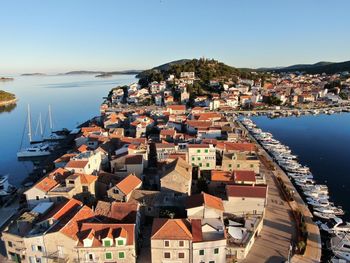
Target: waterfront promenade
{"x": 273, "y": 242}
{"x": 313, "y": 245}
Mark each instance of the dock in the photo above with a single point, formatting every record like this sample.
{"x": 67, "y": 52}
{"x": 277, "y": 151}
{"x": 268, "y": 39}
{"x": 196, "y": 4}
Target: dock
{"x": 313, "y": 250}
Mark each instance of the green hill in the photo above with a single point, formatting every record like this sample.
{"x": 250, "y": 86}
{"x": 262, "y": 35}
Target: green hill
{"x": 204, "y": 69}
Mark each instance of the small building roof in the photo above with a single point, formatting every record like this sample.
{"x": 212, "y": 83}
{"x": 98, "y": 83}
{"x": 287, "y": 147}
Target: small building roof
{"x": 246, "y": 191}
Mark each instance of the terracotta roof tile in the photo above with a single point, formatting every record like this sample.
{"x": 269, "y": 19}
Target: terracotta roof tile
{"x": 129, "y": 183}
{"x": 248, "y": 176}
{"x": 246, "y": 191}
{"x": 46, "y": 184}
{"x": 76, "y": 164}
{"x": 171, "y": 229}
{"x": 204, "y": 199}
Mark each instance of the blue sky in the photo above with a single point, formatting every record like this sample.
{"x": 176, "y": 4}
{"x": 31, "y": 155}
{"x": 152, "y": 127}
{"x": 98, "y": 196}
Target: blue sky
{"x": 55, "y": 36}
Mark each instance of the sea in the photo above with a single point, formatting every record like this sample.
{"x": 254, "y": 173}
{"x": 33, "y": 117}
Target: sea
{"x": 322, "y": 142}
{"x": 74, "y": 99}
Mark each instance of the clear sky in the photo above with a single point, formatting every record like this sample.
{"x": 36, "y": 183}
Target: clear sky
{"x": 61, "y": 35}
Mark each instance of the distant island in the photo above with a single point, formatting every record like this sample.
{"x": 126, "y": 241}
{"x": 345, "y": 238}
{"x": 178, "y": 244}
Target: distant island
{"x": 7, "y": 98}
{"x": 5, "y": 79}
{"x": 33, "y": 74}
{"x": 102, "y": 74}
{"x": 317, "y": 68}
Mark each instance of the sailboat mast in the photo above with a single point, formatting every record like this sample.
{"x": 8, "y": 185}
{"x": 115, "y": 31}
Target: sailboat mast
{"x": 50, "y": 119}
{"x": 41, "y": 126}
{"x": 29, "y": 125}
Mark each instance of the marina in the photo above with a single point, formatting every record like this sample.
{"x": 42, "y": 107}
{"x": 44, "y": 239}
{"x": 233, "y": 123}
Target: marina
{"x": 326, "y": 214}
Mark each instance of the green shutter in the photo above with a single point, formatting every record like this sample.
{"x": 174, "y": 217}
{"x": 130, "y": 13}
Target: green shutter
{"x": 121, "y": 254}
{"x": 107, "y": 243}
{"x": 108, "y": 255}
{"x": 120, "y": 242}
{"x": 201, "y": 252}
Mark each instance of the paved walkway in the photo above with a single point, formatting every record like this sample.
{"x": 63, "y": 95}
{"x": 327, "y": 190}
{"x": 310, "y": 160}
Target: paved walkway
{"x": 313, "y": 249}
{"x": 273, "y": 243}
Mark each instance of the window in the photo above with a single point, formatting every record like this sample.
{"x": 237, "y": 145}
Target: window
{"x": 216, "y": 251}
{"x": 115, "y": 191}
{"x": 37, "y": 197}
{"x": 193, "y": 158}
{"x": 121, "y": 255}
{"x": 208, "y": 164}
{"x": 181, "y": 255}
{"x": 201, "y": 252}
{"x": 238, "y": 165}
{"x": 9, "y": 244}
{"x": 71, "y": 182}
{"x": 167, "y": 255}
{"x": 85, "y": 189}
{"x": 108, "y": 255}
{"x": 198, "y": 158}
{"x": 40, "y": 248}
{"x": 198, "y": 151}
{"x": 90, "y": 257}
{"x": 166, "y": 243}
{"x": 181, "y": 243}
{"x": 211, "y": 261}
{"x": 252, "y": 165}
{"x": 107, "y": 243}
{"x": 200, "y": 164}
{"x": 33, "y": 248}
{"x": 120, "y": 242}
{"x": 206, "y": 150}
{"x": 230, "y": 165}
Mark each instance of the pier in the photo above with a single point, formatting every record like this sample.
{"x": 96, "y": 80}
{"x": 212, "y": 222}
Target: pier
{"x": 313, "y": 250}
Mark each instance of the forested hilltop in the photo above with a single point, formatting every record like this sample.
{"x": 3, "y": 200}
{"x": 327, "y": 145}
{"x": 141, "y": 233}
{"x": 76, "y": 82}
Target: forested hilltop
{"x": 205, "y": 70}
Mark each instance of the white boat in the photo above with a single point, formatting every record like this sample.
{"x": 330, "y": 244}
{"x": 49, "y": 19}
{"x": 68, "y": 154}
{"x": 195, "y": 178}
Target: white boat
{"x": 340, "y": 246}
{"x": 36, "y": 150}
{"x": 323, "y": 216}
{"x": 318, "y": 202}
{"x": 338, "y": 226}
{"x": 5, "y": 187}
{"x": 53, "y": 136}
{"x": 329, "y": 210}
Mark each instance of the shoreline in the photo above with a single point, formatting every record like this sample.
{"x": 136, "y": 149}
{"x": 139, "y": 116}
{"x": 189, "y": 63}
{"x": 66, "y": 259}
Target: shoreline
{"x": 8, "y": 102}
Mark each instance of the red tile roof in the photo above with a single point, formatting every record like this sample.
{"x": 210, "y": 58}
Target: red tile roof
{"x": 133, "y": 159}
{"x": 177, "y": 107}
{"x": 62, "y": 209}
{"x": 98, "y": 231}
{"x": 129, "y": 183}
{"x": 120, "y": 212}
{"x": 204, "y": 199}
{"x": 232, "y": 146}
{"x": 248, "y": 176}
{"x": 171, "y": 229}
{"x": 46, "y": 184}
{"x": 246, "y": 191}
{"x": 87, "y": 178}
{"x": 71, "y": 225}
{"x": 197, "y": 230}
{"x": 76, "y": 164}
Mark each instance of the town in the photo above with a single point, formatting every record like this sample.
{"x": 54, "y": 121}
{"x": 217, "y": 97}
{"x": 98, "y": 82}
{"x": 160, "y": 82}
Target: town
{"x": 168, "y": 173}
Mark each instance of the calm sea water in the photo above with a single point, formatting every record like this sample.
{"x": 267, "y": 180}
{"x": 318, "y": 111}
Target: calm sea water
{"x": 321, "y": 142}
{"x": 74, "y": 99}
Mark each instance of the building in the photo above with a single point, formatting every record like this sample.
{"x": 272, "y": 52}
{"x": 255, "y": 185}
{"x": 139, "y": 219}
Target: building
{"x": 245, "y": 199}
{"x": 122, "y": 190}
{"x": 187, "y": 241}
{"x": 177, "y": 178}
{"x": 204, "y": 206}
{"x": 202, "y": 156}
{"x": 240, "y": 161}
